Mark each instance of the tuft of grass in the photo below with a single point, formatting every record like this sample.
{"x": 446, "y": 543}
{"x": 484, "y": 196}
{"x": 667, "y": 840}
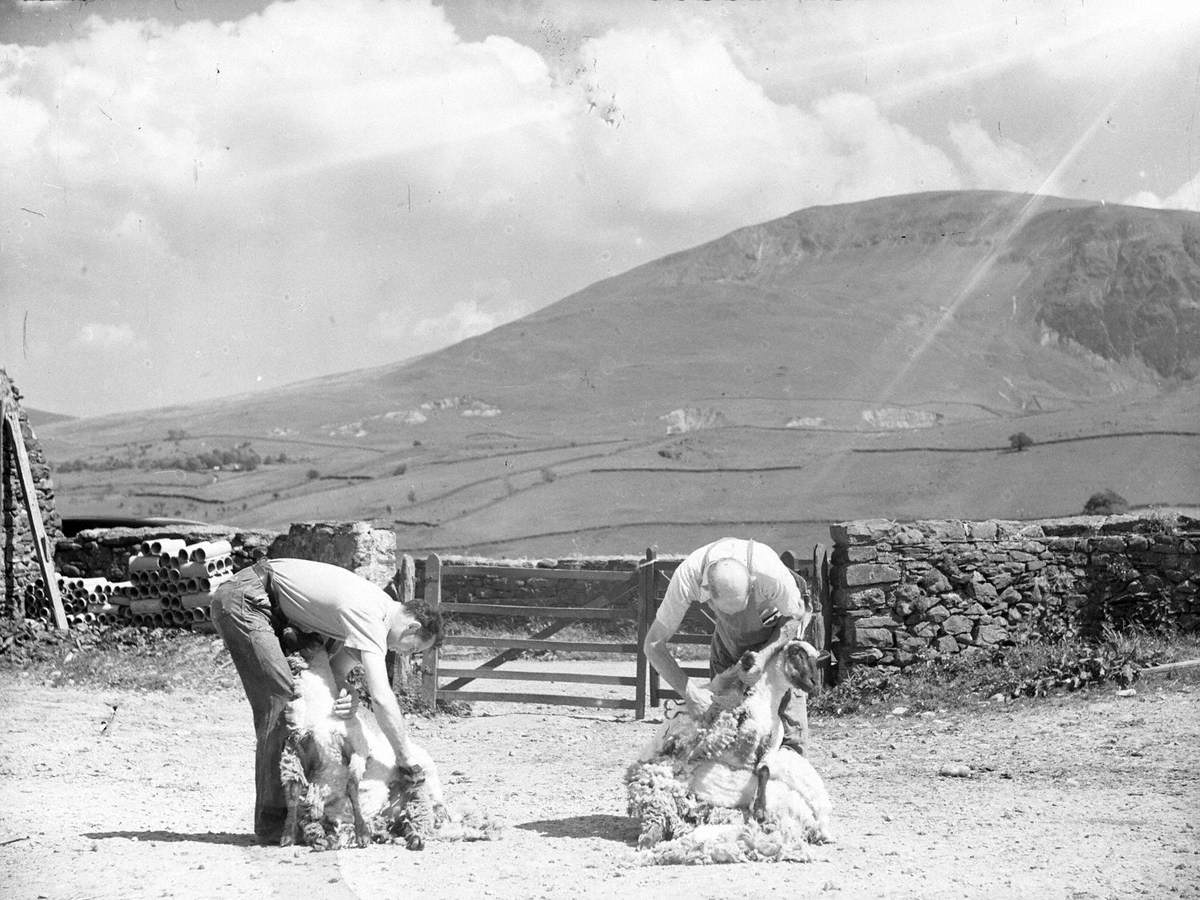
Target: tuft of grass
{"x": 166, "y": 659}
{"x": 126, "y": 658}
{"x": 1035, "y": 669}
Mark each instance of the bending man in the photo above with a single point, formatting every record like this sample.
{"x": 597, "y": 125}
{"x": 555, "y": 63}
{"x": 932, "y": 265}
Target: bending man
{"x": 757, "y": 605}
{"x": 362, "y": 622}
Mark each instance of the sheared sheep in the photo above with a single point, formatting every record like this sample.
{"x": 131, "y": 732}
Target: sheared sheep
{"x": 340, "y": 776}
{"x": 724, "y": 789}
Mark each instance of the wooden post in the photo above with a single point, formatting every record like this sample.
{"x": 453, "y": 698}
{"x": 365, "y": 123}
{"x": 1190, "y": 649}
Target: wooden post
{"x": 18, "y": 601}
{"x": 822, "y": 610}
{"x": 645, "y": 617}
{"x": 429, "y": 660}
{"x": 401, "y": 670}
{"x": 655, "y": 678}
{"x": 45, "y": 553}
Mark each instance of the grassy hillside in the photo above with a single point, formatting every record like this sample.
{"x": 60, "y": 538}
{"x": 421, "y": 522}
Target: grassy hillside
{"x": 40, "y": 417}
{"x": 862, "y": 360}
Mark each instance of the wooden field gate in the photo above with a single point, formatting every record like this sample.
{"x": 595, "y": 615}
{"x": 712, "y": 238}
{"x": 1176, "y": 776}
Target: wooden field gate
{"x": 632, "y": 596}
{"x": 619, "y": 600}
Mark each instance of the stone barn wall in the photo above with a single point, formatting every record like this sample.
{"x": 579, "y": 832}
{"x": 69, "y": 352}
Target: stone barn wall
{"x": 370, "y": 552}
{"x": 22, "y": 576}
{"x": 919, "y": 590}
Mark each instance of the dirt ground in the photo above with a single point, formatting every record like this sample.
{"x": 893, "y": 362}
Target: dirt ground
{"x": 1084, "y": 796}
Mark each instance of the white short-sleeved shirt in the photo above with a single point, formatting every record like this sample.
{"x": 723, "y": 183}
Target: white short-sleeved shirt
{"x": 774, "y": 587}
{"x": 331, "y": 601}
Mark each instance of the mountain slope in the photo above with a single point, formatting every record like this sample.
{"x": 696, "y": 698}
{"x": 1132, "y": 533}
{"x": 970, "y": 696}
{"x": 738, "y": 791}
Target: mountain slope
{"x": 832, "y": 329}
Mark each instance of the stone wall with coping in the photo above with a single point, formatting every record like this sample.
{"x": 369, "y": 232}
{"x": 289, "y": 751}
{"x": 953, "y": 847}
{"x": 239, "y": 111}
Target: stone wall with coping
{"x": 357, "y": 546}
{"x": 918, "y": 590}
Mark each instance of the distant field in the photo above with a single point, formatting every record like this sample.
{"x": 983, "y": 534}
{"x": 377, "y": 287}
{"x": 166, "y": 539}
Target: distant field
{"x": 505, "y": 494}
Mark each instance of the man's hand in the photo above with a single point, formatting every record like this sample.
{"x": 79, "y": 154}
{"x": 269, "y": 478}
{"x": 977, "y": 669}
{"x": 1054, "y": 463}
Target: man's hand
{"x": 698, "y": 699}
{"x": 345, "y": 704}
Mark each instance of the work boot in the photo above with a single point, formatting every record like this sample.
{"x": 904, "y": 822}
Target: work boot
{"x": 268, "y": 829}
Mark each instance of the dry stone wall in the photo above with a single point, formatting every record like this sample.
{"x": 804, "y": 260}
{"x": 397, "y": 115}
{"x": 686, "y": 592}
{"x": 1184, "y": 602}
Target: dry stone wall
{"x": 369, "y": 552}
{"x": 919, "y": 590}
{"x": 24, "y": 587}
{"x": 531, "y": 588}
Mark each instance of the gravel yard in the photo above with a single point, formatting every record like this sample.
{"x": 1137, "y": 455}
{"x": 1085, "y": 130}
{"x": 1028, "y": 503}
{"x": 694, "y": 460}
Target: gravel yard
{"x": 1081, "y": 796}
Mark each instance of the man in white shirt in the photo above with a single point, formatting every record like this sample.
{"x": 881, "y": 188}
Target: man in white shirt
{"x": 361, "y": 623}
{"x": 757, "y": 605}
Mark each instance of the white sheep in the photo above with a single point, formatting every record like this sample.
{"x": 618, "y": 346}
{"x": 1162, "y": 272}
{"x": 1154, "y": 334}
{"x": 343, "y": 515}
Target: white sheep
{"x": 724, "y": 789}
{"x": 340, "y": 776}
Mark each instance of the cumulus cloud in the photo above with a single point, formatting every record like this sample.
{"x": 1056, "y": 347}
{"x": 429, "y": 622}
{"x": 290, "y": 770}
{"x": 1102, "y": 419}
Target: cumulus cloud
{"x": 994, "y": 162}
{"x": 463, "y": 320}
{"x": 905, "y": 50}
{"x": 676, "y": 130}
{"x": 227, "y": 120}
{"x": 103, "y": 336}
{"x": 362, "y": 182}
{"x": 1186, "y": 197}
{"x": 491, "y": 305}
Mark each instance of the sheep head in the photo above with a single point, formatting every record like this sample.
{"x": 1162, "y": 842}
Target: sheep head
{"x": 800, "y": 660}
{"x": 410, "y": 815}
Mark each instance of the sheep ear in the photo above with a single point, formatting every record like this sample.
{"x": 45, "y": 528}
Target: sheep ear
{"x": 809, "y": 649}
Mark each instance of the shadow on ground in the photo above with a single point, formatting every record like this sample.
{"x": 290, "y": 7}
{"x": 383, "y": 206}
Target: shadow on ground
{"x": 207, "y": 837}
{"x": 621, "y": 829}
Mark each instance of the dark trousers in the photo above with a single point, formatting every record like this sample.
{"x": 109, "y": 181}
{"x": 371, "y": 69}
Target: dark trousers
{"x": 242, "y": 614}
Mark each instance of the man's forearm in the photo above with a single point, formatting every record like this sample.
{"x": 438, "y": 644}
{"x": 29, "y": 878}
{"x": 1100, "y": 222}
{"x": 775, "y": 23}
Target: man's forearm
{"x": 387, "y": 709}
{"x": 391, "y": 723}
{"x": 666, "y": 666}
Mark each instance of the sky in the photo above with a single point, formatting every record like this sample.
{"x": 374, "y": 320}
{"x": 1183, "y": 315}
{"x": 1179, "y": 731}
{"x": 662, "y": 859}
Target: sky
{"x": 203, "y": 198}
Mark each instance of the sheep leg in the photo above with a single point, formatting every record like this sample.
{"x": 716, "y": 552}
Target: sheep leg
{"x": 295, "y": 785}
{"x": 362, "y": 831}
{"x": 314, "y": 826}
{"x": 793, "y": 713}
{"x": 758, "y": 806}
{"x": 291, "y": 825}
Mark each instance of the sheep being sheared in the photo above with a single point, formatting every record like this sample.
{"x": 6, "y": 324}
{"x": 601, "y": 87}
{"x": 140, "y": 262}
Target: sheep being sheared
{"x": 340, "y": 776}
{"x": 724, "y": 789}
